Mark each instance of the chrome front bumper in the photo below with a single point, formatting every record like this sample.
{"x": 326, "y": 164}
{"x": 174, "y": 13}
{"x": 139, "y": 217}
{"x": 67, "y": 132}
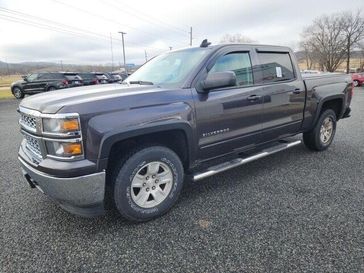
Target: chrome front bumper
{"x": 82, "y": 195}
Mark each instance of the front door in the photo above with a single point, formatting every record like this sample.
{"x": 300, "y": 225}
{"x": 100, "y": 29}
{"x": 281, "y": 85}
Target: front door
{"x": 228, "y": 119}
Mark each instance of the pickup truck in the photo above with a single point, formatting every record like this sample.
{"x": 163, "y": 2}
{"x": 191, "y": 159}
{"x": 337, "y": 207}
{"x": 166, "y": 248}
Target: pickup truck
{"x": 183, "y": 116}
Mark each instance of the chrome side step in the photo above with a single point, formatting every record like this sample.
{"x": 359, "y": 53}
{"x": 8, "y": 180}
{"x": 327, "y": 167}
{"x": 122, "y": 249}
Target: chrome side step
{"x": 240, "y": 161}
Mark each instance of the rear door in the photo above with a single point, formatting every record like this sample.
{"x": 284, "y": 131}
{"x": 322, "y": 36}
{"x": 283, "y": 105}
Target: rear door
{"x": 283, "y": 94}
{"x": 229, "y": 119}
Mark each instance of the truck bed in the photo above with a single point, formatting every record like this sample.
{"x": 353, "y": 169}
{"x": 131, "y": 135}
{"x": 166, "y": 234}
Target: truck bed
{"x": 313, "y": 80}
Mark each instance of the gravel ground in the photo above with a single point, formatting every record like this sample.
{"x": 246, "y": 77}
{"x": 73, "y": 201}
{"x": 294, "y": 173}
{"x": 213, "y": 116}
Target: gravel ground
{"x": 295, "y": 211}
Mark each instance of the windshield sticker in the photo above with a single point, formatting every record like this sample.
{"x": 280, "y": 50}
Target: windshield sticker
{"x": 279, "y": 71}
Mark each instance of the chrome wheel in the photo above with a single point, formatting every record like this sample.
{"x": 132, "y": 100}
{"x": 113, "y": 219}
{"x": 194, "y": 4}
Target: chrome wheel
{"x": 151, "y": 184}
{"x": 326, "y": 130}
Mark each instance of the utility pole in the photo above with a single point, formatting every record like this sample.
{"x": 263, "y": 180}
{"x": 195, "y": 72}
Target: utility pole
{"x": 112, "y": 54}
{"x": 61, "y": 65}
{"x": 122, "y": 37}
{"x": 145, "y": 54}
{"x": 190, "y": 36}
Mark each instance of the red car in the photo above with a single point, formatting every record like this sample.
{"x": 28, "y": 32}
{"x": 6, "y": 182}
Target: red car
{"x": 358, "y": 78}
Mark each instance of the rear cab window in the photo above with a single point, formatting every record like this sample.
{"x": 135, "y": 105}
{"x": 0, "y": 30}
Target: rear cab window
{"x": 275, "y": 67}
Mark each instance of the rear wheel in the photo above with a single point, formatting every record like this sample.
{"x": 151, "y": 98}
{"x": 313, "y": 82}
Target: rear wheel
{"x": 52, "y": 88}
{"x": 147, "y": 183}
{"x": 18, "y": 93}
{"x": 322, "y": 135}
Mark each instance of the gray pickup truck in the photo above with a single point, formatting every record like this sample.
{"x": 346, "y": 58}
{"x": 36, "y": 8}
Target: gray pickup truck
{"x": 186, "y": 114}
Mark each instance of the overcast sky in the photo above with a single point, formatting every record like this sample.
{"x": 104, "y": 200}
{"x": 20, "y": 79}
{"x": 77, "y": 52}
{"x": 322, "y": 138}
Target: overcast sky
{"x": 84, "y": 26}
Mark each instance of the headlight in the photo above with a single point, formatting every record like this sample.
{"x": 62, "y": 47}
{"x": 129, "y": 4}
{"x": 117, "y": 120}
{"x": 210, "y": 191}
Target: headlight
{"x": 61, "y": 125}
{"x": 64, "y": 149}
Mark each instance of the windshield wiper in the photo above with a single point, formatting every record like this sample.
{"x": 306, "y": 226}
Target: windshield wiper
{"x": 141, "y": 82}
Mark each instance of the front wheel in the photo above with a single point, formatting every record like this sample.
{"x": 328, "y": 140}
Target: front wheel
{"x": 148, "y": 183}
{"x": 18, "y": 93}
{"x": 322, "y": 135}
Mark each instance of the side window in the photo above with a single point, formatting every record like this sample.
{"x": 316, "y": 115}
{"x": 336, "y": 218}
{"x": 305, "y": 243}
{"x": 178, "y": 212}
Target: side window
{"x": 275, "y": 67}
{"x": 239, "y": 63}
{"x": 44, "y": 76}
{"x": 32, "y": 77}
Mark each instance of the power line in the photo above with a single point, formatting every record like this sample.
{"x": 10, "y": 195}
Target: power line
{"x": 150, "y": 18}
{"x": 104, "y": 18}
{"x": 53, "y": 25}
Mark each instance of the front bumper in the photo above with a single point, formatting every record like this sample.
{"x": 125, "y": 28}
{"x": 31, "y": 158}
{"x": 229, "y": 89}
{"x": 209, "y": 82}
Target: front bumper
{"x": 81, "y": 195}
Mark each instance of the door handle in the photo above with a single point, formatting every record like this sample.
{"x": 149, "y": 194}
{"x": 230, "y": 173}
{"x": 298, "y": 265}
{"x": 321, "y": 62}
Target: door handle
{"x": 254, "y": 97}
{"x": 297, "y": 91}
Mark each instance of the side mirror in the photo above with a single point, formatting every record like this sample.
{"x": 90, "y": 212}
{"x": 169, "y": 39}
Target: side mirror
{"x": 24, "y": 78}
{"x": 219, "y": 80}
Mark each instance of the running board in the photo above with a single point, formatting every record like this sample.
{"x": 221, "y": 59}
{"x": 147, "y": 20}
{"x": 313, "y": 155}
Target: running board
{"x": 241, "y": 161}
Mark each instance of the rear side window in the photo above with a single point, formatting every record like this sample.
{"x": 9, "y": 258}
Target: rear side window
{"x": 275, "y": 67}
{"x": 239, "y": 63}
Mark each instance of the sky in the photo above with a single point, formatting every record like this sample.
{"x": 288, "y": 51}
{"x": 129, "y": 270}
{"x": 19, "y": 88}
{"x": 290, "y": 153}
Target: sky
{"x": 86, "y": 31}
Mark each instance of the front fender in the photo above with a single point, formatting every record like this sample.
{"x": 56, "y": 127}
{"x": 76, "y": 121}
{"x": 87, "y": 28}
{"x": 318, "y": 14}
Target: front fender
{"x": 107, "y": 129}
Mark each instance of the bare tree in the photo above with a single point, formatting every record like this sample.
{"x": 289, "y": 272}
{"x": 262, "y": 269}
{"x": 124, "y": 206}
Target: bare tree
{"x": 331, "y": 39}
{"x": 309, "y": 53}
{"x": 325, "y": 37}
{"x": 353, "y": 31}
{"x": 236, "y": 38}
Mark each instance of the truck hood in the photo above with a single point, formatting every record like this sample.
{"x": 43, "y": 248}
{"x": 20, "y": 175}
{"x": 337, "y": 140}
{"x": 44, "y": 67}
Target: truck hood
{"x": 51, "y": 102}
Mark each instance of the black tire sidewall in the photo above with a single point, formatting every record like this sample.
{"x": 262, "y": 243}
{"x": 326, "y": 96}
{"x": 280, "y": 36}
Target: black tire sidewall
{"x": 122, "y": 187}
{"x": 319, "y": 144}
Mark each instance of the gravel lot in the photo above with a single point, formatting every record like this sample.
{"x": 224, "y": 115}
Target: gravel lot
{"x": 296, "y": 211}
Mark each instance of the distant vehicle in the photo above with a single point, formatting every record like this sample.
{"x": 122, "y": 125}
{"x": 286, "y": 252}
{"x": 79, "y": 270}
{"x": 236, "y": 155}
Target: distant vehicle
{"x": 74, "y": 80}
{"x": 101, "y": 77}
{"x": 39, "y": 82}
{"x": 120, "y": 76}
{"x": 358, "y": 79}
{"x": 111, "y": 78}
{"x": 193, "y": 112}
{"x": 88, "y": 78}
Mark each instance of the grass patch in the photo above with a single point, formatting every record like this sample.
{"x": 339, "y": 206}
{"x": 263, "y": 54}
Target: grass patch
{"x": 6, "y": 81}
{"x": 5, "y": 93}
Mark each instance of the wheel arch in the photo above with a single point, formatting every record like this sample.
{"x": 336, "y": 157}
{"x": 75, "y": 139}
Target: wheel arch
{"x": 178, "y": 137}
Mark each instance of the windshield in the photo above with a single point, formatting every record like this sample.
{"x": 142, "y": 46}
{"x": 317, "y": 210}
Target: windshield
{"x": 170, "y": 68}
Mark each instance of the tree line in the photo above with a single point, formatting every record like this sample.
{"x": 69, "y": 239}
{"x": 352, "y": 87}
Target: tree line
{"x": 331, "y": 39}
{"x": 327, "y": 42}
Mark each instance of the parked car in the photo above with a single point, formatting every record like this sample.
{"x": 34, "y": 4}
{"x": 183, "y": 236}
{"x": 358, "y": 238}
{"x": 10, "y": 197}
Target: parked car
{"x": 112, "y": 77}
{"x": 101, "y": 77}
{"x": 120, "y": 76}
{"x": 190, "y": 113}
{"x": 37, "y": 83}
{"x": 74, "y": 80}
{"x": 88, "y": 78}
{"x": 358, "y": 79}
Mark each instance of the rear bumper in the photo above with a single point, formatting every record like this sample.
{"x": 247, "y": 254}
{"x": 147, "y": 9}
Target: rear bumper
{"x": 81, "y": 195}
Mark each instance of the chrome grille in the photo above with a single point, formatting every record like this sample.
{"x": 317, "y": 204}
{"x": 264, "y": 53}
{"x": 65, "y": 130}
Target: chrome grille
{"x": 28, "y": 121}
{"x": 33, "y": 144}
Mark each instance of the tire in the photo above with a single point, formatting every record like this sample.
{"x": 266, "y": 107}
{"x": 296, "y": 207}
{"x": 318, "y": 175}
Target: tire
{"x": 356, "y": 83}
{"x": 139, "y": 191}
{"x": 18, "y": 93}
{"x": 52, "y": 88}
{"x": 320, "y": 137}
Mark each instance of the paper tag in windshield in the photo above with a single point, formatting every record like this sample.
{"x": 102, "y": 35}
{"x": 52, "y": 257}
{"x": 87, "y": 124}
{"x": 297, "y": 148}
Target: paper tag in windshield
{"x": 279, "y": 71}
